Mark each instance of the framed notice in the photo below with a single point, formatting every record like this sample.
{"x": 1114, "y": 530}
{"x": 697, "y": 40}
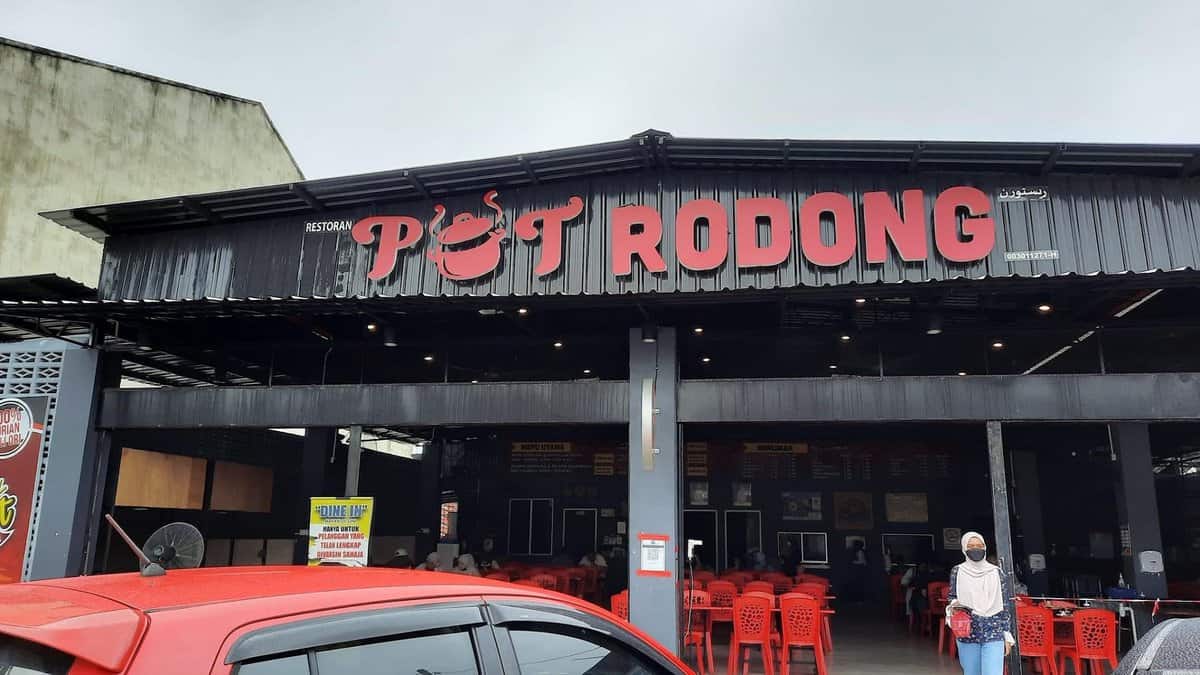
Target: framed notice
{"x": 801, "y": 505}
{"x": 951, "y": 538}
{"x": 852, "y": 511}
{"x": 653, "y": 559}
{"x": 339, "y": 530}
{"x": 906, "y": 507}
{"x": 743, "y": 494}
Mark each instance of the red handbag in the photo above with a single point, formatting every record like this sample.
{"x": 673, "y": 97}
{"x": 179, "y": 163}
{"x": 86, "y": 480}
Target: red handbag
{"x": 960, "y": 624}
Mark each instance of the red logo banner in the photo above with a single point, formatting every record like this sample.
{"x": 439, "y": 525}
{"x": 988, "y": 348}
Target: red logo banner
{"x": 22, "y": 426}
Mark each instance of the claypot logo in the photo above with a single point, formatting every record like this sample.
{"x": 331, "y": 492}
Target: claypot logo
{"x": 16, "y": 426}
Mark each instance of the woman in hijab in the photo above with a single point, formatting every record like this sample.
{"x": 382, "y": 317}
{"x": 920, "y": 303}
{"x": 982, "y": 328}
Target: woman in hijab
{"x": 978, "y": 587}
{"x": 432, "y": 562}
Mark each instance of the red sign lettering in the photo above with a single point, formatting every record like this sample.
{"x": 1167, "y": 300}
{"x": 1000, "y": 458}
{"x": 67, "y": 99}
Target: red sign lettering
{"x": 551, "y": 233}
{"x": 686, "y": 247}
{"x": 644, "y": 244}
{"x": 469, "y": 247}
{"x": 746, "y": 214}
{"x": 978, "y": 228}
{"x": 881, "y": 221}
{"x": 845, "y": 238}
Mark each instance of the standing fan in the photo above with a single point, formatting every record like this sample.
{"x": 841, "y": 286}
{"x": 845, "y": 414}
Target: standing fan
{"x": 175, "y": 546}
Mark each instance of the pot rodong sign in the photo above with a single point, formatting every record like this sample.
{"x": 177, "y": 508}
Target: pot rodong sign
{"x": 469, "y": 246}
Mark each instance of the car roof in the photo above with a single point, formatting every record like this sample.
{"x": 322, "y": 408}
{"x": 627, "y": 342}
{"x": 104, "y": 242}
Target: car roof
{"x": 186, "y": 588}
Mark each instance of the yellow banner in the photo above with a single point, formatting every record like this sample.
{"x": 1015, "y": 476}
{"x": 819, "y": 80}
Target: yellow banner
{"x": 776, "y": 448}
{"x": 339, "y": 530}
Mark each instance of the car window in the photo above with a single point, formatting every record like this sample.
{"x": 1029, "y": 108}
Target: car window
{"x": 18, "y": 657}
{"x": 576, "y": 652}
{"x": 441, "y": 653}
{"x": 287, "y": 665}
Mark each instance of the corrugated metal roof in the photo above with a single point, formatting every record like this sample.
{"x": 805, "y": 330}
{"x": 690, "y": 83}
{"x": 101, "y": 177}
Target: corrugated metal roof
{"x": 650, "y": 149}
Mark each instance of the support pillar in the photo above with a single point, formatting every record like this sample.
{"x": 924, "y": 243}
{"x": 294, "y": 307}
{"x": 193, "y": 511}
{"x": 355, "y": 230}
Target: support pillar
{"x": 1028, "y": 503}
{"x": 64, "y": 532}
{"x": 319, "y": 442}
{"x": 1137, "y": 510}
{"x": 353, "y": 461}
{"x": 430, "y": 505}
{"x": 654, "y": 483}
{"x": 1000, "y": 517}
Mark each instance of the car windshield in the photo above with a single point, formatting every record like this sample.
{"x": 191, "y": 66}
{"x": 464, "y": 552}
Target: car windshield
{"x": 18, "y": 657}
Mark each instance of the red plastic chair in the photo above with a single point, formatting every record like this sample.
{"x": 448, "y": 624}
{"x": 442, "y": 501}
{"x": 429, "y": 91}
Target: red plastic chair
{"x": 781, "y": 583}
{"x": 760, "y": 587}
{"x": 699, "y": 636}
{"x": 591, "y": 582}
{"x": 620, "y": 604}
{"x": 546, "y": 581}
{"x": 802, "y": 620}
{"x": 575, "y": 578}
{"x": 751, "y": 628}
{"x": 1035, "y": 636}
{"x": 499, "y": 576}
{"x": 720, "y": 594}
{"x": 933, "y": 612}
{"x": 818, "y": 593}
{"x": 897, "y": 592}
{"x": 1095, "y": 640}
{"x": 943, "y": 601}
{"x": 527, "y": 582}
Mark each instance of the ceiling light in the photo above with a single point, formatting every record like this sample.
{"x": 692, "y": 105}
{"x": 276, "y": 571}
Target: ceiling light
{"x": 962, "y": 373}
{"x": 587, "y": 371}
{"x": 558, "y": 345}
{"x": 998, "y": 344}
{"x": 322, "y": 333}
{"x": 474, "y": 381}
{"x": 389, "y": 337}
{"x": 428, "y": 358}
{"x": 697, "y": 330}
{"x": 705, "y": 360}
{"x": 935, "y": 325}
{"x": 833, "y": 366}
{"x": 860, "y": 301}
{"x": 845, "y": 337}
{"x": 523, "y": 311}
{"x": 372, "y": 327}
{"x": 1044, "y": 308}
{"x": 649, "y": 333}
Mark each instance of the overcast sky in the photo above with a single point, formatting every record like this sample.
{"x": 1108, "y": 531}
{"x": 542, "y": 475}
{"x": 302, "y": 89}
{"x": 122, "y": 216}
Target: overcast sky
{"x": 364, "y": 86}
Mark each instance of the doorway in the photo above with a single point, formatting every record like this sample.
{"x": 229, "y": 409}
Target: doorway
{"x": 743, "y": 534}
{"x": 700, "y": 534}
{"x": 579, "y": 531}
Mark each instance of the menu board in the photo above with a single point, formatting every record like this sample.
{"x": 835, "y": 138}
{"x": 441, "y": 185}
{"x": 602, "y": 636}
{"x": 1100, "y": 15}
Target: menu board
{"x": 564, "y": 457}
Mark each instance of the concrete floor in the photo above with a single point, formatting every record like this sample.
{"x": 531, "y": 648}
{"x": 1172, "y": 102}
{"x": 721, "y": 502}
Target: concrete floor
{"x": 864, "y": 641}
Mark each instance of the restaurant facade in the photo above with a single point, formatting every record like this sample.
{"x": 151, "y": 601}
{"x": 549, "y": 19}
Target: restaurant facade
{"x": 727, "y": 352}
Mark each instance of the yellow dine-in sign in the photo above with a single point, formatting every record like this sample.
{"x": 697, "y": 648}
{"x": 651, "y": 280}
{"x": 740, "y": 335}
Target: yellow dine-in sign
{"x": 339, "y": 530}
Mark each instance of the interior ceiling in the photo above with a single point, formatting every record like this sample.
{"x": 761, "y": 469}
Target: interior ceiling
{"x": 845, "y": 331}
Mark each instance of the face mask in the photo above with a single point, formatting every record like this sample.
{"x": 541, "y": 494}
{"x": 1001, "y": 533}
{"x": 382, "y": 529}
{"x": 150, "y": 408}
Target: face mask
{"x": 976, "y": 554}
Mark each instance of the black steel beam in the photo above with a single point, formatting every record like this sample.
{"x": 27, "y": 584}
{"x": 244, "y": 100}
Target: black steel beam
{"x": 1100, "y": 398}
{"x": 302, "y": 192}
{"x": 374, "y": 405}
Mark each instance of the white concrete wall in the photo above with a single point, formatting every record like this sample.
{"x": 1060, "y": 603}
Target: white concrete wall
{"x": 77, "y": 133}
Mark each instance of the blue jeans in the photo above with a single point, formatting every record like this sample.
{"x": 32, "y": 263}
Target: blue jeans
{"x": 981, "y": 658}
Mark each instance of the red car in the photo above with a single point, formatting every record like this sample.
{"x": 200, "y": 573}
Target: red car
{"x": 310, "y": 620}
